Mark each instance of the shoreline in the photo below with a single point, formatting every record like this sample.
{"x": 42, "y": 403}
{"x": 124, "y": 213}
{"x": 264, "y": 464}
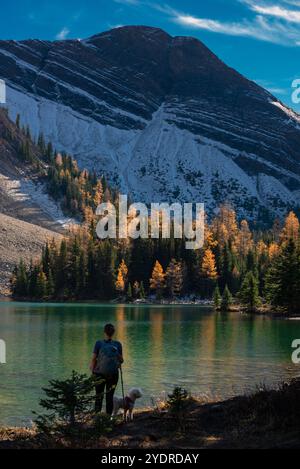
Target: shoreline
{"x": 266, "y": 418}
{"x": 264, "y": 310}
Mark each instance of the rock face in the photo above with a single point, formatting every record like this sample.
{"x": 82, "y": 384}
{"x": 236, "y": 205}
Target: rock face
{"x": 28, "y": 217}
{"x": 161, "y": 116}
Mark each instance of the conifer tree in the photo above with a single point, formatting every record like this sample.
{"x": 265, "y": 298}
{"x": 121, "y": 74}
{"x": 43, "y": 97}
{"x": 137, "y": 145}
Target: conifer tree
{"x": 120, "y": 284}
{"x": 142, "y": 290}
{"x": 217, "y": 297}
{"x": 66, "y": 400}
{"x": 174, "y": 278}
{"x": 158, "y": 281}
{"x": 50, "y": 285}
{"x": 209, "y": 269}
{"x": 282, "y": 284}
{"x": 291, "y": 228}
{"x": 129, "y": 292}
{"x": 124, "y": 270}
{"x": 20, "y": 281}
{"x": 136, "y": 289}
{"x": 121, "y": 280}
{"x": 41, "y": 286}
{"x": 226, "y": 299}
{"x": 249, "y": 293}
{"x": 244, "y": 239}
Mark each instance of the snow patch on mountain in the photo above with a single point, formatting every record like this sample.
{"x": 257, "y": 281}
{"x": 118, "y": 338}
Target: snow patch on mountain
{"x": 25, "y": 190}
{"x": 289, "y": 112}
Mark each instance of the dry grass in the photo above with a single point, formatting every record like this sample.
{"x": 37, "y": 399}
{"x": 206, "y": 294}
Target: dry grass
{"x": 267, "y": 418}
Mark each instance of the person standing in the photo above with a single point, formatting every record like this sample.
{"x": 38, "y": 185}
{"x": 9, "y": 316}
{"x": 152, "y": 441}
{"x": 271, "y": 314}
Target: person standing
{"x": 106, "y": 361}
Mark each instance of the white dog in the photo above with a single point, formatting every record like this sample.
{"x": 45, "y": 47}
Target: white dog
{"x": 127, "y": 404}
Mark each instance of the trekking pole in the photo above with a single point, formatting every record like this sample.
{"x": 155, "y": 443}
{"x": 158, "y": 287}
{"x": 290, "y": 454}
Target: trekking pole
{"x": 123, "y": 393}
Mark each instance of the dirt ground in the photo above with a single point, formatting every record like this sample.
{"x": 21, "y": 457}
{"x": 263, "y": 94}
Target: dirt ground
{"x": 266, "y": 419}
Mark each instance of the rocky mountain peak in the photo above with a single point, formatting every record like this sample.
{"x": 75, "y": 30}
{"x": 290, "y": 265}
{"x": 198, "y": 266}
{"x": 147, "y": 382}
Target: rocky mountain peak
{"x": 162, "y": 116}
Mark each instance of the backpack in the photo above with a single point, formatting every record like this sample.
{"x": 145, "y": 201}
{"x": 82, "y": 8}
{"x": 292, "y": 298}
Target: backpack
{"x": 108, "y": 358}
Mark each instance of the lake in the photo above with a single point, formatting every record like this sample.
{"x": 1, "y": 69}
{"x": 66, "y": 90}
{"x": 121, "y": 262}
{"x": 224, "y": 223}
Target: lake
{"x": 216, "y": 354}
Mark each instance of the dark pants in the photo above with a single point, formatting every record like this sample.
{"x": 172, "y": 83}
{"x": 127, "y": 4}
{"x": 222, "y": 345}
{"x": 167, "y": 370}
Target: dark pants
{"x": 105, "y": 385}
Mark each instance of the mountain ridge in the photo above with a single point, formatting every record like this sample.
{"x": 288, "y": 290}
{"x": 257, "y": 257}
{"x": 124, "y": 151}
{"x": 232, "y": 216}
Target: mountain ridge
{"x": 163, "y": 117}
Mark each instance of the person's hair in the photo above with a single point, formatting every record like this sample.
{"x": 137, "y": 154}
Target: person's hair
{"x": 109, "y": 330}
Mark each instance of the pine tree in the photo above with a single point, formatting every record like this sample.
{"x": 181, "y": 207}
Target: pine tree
{"x": 49, "y": 152}
{"x": 136, "y": 289}
{"x": 66, "y": 400}
{"x": 62, "y": 277}
{"x": 20, "y": 281}
{"x": 33, "y": 275}
{"x": 41, "y": 286}
{"x": 50, "y": 286}
{"x": 81, "y": 275}
{"x": 282, "y": 283}
{"x": 142, "y": 291}
{"x": 46, "y": 259}
{"x": 41, "y": 142}
{"x": 217, "y": 297}
{"x": 249, "y": 293}
{"x": 174, "y": 278}
{"x": 226, "y": 266}
{"x": 129, "y": 292}
{"x": 226, "y": 299}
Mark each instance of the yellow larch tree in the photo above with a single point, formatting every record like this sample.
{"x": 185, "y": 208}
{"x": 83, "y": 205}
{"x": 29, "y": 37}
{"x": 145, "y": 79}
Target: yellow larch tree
{"x": 208, "y": 268}
{"x": 121, "y": 281}
{"x": 291, "y": 228}
{"x": 243, "y": 239}
{"x": 124, "y": 270}
{"x": 224, "y": 226}
{"x": 273, "y": 250}
{"x": 120, "y": 284}
{"x": 98, "y": 194}
{"x": 157, "y": 280}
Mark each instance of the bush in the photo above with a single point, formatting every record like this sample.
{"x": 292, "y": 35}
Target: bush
{"x": 69, "y": 409}
{"x": 177, "y": 404}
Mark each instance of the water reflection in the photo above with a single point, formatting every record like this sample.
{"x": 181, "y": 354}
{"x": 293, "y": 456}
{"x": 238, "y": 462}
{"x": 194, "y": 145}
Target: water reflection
{"x": 210, "y": 353}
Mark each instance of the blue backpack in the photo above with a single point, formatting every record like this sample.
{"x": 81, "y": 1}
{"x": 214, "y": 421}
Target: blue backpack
{"x": 108, "y": 361}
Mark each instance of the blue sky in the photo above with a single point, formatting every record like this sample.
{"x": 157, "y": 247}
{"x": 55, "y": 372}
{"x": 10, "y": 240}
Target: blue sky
{"x": 260, "y": 38}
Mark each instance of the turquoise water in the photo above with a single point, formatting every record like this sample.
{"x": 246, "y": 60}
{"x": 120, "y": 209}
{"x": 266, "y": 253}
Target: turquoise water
{"x": 206, "y": 352}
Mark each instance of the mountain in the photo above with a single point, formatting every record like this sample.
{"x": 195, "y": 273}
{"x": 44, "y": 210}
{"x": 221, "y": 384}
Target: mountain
{"x": 162, "y": 117}
{"x": 23, "y": 193}
{"x": 28, "y": 217}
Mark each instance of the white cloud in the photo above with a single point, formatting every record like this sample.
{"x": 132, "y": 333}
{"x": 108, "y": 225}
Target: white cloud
{"x": 260, "y": 27}
{"x": 282, "y": 91}
{"x": 234, "y": 29}
{"x": 62, "y": 34}
{"x": 276, "y": 11}
{"x": 272, "y": 87}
